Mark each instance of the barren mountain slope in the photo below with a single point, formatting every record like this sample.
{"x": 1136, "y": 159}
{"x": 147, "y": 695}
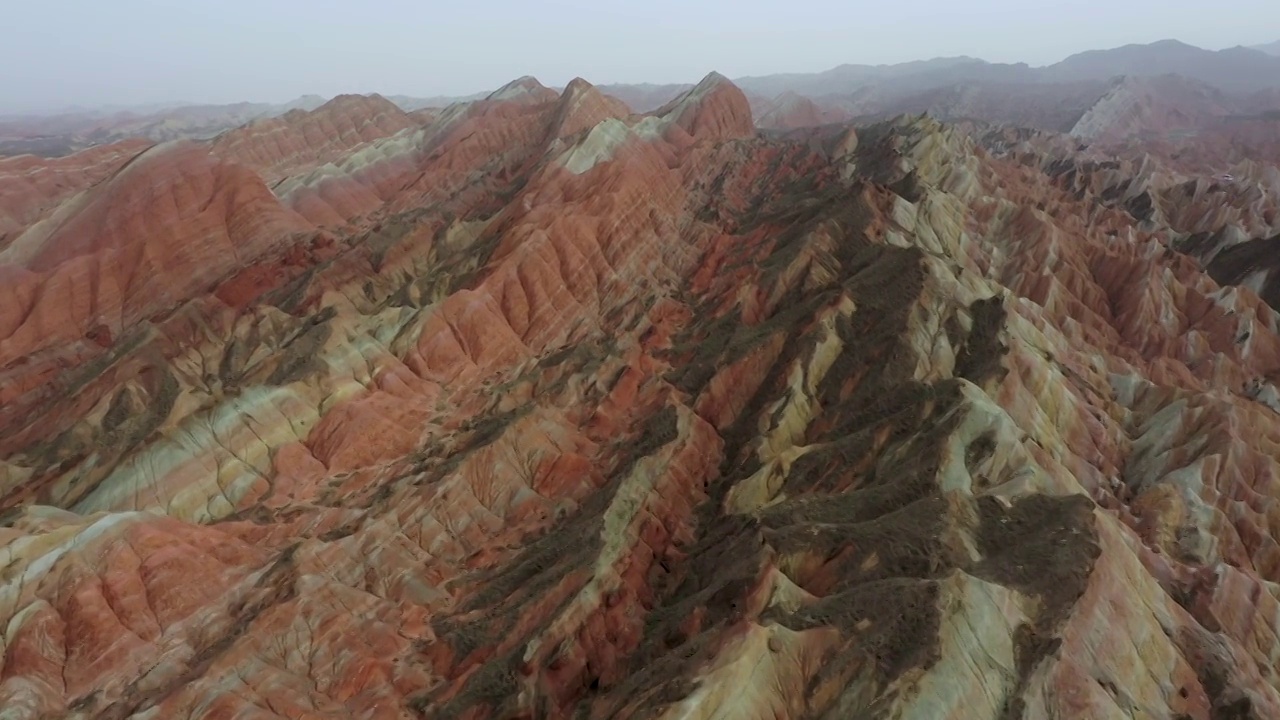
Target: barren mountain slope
{"x": 574, "y": 413}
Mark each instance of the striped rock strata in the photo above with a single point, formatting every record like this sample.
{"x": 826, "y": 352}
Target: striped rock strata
{"x": 534, "y": 408}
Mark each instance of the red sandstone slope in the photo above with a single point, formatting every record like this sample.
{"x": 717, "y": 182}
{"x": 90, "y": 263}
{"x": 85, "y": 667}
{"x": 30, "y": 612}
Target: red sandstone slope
{"x": 587, "y": 414}
{"x": 161, "y": 230}
{"x": 30, "y": 187}
{"x": 300, "y": 140}
{"x": 715, "y": 109}
{"x": 452, "y": 154}
{"x": 1214, "y": 196}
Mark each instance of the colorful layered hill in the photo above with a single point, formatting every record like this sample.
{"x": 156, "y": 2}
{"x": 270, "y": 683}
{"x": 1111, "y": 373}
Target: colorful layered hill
{"x": 537, "y": 408}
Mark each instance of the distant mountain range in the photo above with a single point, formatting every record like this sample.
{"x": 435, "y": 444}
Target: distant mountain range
{"x": 1055, "y": 97}
{"x": 409, "y": 103}
{"x": 1239, "y": 69}
{"x": 64, "y": 133}
{"x": 1159, "y": 88}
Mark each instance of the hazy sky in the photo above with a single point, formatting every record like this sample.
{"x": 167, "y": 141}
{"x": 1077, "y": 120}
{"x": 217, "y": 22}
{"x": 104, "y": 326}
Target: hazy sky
{"x": 93, "y": 52}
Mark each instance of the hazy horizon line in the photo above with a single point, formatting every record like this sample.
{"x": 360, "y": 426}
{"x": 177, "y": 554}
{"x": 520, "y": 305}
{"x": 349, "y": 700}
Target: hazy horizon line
{"x": 159, "y": 106}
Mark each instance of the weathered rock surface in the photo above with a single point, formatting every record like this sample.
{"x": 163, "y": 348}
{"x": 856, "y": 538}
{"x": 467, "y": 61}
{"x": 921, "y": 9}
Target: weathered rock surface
{"x": 577, "y": 413}
{"x": 30, "y": 187}
{"x": 281, "y": 146}
{"x": 163, "y": 229}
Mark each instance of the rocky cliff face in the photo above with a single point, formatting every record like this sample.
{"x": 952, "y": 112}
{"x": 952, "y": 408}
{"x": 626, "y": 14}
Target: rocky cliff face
{"x": 572, "y": 413}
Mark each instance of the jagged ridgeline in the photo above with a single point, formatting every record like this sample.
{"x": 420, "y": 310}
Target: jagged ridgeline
{"x": 536, "y": 407}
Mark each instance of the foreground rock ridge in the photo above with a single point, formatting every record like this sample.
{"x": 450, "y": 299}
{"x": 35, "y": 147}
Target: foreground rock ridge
{"x": 533, "y": 407}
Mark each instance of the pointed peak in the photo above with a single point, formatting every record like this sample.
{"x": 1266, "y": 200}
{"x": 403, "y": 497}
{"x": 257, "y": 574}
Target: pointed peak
{"x": 582, "y": 106}
{"x": 715, "y": 107}
{"x": 705, "y": 87}
{"x": 526, "y": 89}
{"x": 527, "y": 81}
{"x": 577, "y": 89}
{"x": 712, "y": 80}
